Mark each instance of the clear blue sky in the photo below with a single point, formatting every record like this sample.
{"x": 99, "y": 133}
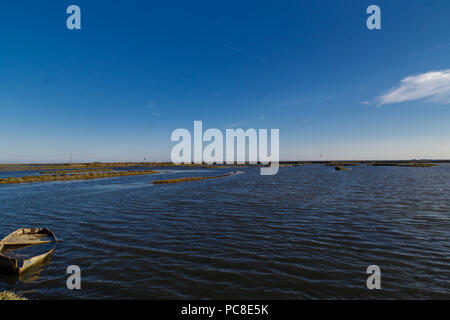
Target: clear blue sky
{"x": 137, "y": 70}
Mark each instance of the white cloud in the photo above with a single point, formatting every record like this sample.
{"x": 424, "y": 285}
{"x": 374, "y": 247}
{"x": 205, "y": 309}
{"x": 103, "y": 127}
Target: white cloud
{"x": 433, "y": 86}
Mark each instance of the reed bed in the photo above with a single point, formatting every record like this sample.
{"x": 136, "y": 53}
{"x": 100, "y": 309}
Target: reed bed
{"x": 8, "y": 295}
{"x": 420, "y": 165}
{"x": 74, "y": 171}
{"x": 166, "y": 181}
{"x": 65, "y": 177}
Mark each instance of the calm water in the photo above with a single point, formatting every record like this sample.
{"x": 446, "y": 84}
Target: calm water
{"x": 308, "y": 232}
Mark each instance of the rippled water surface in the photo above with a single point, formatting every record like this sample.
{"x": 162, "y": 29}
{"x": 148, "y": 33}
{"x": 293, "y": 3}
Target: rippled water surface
{"x": 308, "y": 232}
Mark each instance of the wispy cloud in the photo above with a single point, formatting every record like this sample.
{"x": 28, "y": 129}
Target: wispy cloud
{"x": 329, "y": 97}
{"x": 434, "y": 48}
{"x": 243, "y": 52}
{"x": 364, "y": 102}
{"x": 432, "y": 86}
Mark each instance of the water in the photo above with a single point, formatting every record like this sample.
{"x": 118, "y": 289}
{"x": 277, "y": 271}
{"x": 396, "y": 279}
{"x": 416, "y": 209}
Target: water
{"x": 308, "y": 232}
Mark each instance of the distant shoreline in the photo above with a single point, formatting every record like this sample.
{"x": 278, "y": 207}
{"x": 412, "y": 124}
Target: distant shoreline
{"x": 97, "y": 165}
{"x": 96, "y": 170}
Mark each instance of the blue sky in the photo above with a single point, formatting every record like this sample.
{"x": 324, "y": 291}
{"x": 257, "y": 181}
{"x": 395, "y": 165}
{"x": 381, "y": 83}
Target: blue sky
{"x": 137, "y": 70}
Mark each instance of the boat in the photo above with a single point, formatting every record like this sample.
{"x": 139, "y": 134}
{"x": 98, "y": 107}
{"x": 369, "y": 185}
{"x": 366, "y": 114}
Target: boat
{"x": 14, "y": 256}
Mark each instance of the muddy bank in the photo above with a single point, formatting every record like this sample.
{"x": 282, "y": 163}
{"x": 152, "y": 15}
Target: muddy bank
{"x": 68, "y": 177}
{"x": 194, "y": 178}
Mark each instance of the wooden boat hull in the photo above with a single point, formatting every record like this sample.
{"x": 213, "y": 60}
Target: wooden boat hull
{"x": 22, "y": 238}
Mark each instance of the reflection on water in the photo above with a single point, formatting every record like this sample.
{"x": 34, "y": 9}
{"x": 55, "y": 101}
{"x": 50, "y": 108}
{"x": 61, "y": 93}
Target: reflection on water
{"x": 31, "y": 275}
{"x": 22, "y": 253}
{"x": 308, "y": 232}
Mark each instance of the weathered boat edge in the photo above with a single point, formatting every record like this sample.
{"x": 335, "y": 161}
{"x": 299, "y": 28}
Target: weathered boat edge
{"x": 9, "y": 265}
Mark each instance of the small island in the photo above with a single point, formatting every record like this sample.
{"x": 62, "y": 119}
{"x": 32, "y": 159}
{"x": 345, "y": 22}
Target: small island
{"x": 73, "y": 176}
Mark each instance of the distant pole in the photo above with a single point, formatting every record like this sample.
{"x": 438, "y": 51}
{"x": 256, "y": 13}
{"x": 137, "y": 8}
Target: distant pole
{"x": 71, "y": 159}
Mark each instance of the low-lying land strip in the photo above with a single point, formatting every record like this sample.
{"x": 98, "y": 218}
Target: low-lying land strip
{"x": 192, "y": 178}
{"x": 347, "y": 164}
{"x": 74, "y": 171}
{"x": 100, "y": 166}
{"x": 425, "y": 165}
{"x": 65, "y": 177}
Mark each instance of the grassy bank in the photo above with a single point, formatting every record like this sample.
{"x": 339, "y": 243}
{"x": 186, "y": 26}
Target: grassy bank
{"x": 74, "y": 171}
{"x": 419, "y": 165}
{"x": 8, "y": 295}
{"x": 191, "y": 179}
{"x": 340, "y": 164}
{"x": 50, "y": 167}
{"x": 65, "y": 177}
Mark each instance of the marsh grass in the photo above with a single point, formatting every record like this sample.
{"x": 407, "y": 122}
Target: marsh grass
{"x": 8, "y": 295}
{"x": 65, "y": 177}
{"x": 347, "y": 164}
{"x": 52, "y": 167}
{"x": 74, "y": 171}
{"x": 94, "y": 166}
{"x": 100, "y": 166}
{"x": 192, "y": 179}
{"x": 419, "y": 165}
